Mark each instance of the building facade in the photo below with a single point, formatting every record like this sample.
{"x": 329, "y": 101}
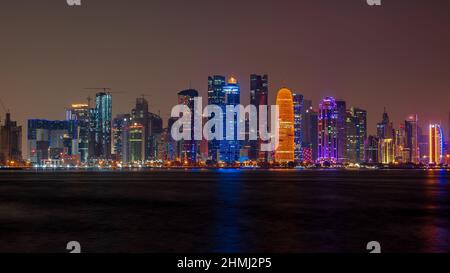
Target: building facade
{"x": 285, "y": 151}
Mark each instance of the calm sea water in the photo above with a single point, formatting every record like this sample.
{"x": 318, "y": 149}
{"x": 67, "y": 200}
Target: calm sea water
{"x": 225, "y": 211}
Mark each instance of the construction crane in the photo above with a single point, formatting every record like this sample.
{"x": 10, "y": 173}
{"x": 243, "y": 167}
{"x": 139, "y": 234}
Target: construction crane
{"x": 106, "y": 90}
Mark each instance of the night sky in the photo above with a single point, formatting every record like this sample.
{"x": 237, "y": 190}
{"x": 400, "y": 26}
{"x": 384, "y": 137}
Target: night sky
{"x": 397, "y": 55}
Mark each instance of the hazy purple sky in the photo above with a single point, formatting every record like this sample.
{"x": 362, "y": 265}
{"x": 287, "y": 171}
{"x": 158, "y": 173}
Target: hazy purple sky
{"x": 397, "y": 55}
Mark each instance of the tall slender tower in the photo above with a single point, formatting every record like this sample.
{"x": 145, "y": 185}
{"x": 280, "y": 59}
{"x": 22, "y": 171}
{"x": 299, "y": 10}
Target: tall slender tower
{"x": 259, "y": 94}
{"x": 412, "y": 135}
{"x": 216, "y": 96}
{"x": 189, "y": 148}
{"x": 230, "y": 149}
{"x": 436, "y": 144}
{"x": 341, "y": 128}
{"x": 103, "y": 124}
{"x": 285, "y": 151}
{"x": 298, "y": 120}
{"x": 327, "y": 130}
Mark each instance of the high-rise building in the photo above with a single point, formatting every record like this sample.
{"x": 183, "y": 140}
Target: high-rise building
{"x": 385, "y": 127}
{"x": 371, "y": 150}
{"x": 298, "y": 120}
{"x": 120, "y": 124}
{"x": 216, "y": 96}
{"x": 80, "y": 113}
{"x": 259, "y": 95}
{"x": 436, "y": 145}
{"x": 285, "y": 151}
{"x": 309, "y": 131}
{"x": 341, "y": 128}
{"x": 230, "y": 149}
{"x": 361, "y": 126}
{"x": 327, "y": 131}
{"x": 140, "y": 114}
{"x": 412, "y": 138}
{"x": 103, "y": 124}
{"x": 189, "y": 148}
{"x": 136, "y": 143}
{"x": 386, "y": 151}
{"x": 351, "y": 135}
{"x": 10, "y": 141}
{"x": 52, "y": 140}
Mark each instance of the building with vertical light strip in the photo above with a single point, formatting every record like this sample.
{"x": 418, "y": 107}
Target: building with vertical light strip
{"x": 436, "y": 144}
{"x": 298, "y": 124}
{"x": 285, "y": 151}
{"x": 327, "y": 131}
{"x": 230, "y": 149}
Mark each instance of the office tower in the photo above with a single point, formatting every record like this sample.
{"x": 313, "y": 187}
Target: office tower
{"x": 327, "y": 131}
{"x": 351, "y": 134}
{"x": 436, "y": 145}
{"x": 174, "y": 152}
{"x": 424, "y": 146}
{"x": 80, "y": 113}
{"x": 10, "y": 142}
{"x": 103, "y": 123}
{"x": 259, "y": 95}
{"x": 189, "y": 148}
{"x": 216, "y": 96}
{"x": 412, "y": 141}
{"x": 155, "y": 125}
{"x": 361, "y": 132}
{"x": 371, "y": 150}
{"x": 285, "y": 151}
{"x": 120, "y": 124}
{"x": 401, "y": 152}
{"x": 56, "y": 141}
{"x": 298, "y": 119}
{"x": 386, "y": 151}
{"x": 385, "y": 127}
{"x": 309, "y": 131}
{"x": 230, "y": 149}
{"x": 140, "y": 114}
{"x": 341, "y": 128}
{"x": 136, "y": 143}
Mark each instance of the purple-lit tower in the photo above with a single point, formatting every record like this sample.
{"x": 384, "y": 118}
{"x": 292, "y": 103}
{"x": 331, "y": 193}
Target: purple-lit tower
{"x": 328, "y": 131}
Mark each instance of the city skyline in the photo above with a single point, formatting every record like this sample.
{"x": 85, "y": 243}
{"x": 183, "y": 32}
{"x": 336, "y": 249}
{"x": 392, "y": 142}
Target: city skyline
{"x": 315, "y": 48}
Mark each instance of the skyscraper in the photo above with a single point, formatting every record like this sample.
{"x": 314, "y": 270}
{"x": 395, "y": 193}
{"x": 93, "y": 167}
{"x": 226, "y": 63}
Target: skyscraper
{"x": 140, "y": 114}
{"x": 298, "y": 120}
{"x": 285, "y": 151}
{"x": 385, "y": 127}
{"x": 351, "y": 135}
{"x": 80, "y": 113}
{"x": 412, "y": 138}
{"x": 136, "y": 148}
{"x": 309, "y": 132}
{"x": 341, "y": 128}
{"x": 216, "y": 96}
{"x": 230, "y": 149}
{"x": 10, "y": 141}
{"x": 371, "y": 150}
{"x": 120, "y": 125}
{"x": 103, "y": 123}
{"x": 327, "y": 130}
{"x": 436, "y": 144}
{"x": 386, "y": 151}
{"x": 361, "y": 126}
{"x": 189, "y": 148}
{"x": 259, "y": 95}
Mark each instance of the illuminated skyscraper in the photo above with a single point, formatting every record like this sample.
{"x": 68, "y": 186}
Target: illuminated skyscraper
{"x": 80, "y": 113}
{"x": 10, "y": 141}
{"x": 386, "y": 151}
{"x": 120, "y": 146}
{"x": 136, "y": 143}
{"x": 230, "y": 149}
{"x": 309, "y": 131}
{"x": 259, "y": 94}
{"x": 341, "y": 127}
{"x": 298, "y": 120}
{"x": 412, "y": 138}
{"x": 285, "y": 151}
{"x": 216, "y": 96}
{"x": 189, "y": 148}
{"x": 385, "y": 127}
{"x": 103, "y": 123}
{"x": 436, "y": 144}
{"x": 371, "y": 150}
{"x": 327, "y": 131}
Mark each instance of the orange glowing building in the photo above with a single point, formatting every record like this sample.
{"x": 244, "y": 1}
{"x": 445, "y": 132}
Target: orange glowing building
{"x": 285, "y": 151}
{"x": 436, "y": 144}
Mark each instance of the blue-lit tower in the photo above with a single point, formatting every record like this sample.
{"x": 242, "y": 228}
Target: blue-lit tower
{"x": 103, "y": 123}
{"x": 298, "y": 120}
{"x": 216, "y": 96}
{"x": 230, "y": 149}
{"x": 327, "y": 131}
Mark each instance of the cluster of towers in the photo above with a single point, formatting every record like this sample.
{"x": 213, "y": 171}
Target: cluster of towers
{"x": 331, "y": 133}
